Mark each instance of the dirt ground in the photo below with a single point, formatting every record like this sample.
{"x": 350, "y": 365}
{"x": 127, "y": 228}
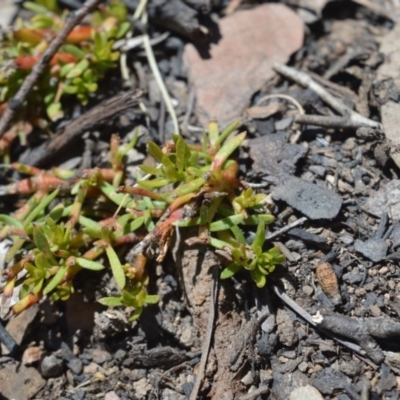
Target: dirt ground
{"x": 316, "y": 85}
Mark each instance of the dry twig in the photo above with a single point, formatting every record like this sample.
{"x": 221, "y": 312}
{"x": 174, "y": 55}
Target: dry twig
{"x": 310, "y": 319}
{"x": 286, "y": 228}
{"x": 354, "y": 119}
{"x": 98, "y": 114}
{"x": 16, "y": 103}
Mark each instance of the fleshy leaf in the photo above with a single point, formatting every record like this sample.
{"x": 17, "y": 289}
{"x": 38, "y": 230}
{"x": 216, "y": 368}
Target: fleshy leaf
{"x": 116, "y": 267}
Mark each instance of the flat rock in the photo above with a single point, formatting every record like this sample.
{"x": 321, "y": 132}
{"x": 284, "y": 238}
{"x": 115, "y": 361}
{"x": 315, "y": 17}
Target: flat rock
{"x": 20, "y": 382}
{"x": 307, "y": 392}
{"x": 272, "y": 154}
{"x": 19, "y": 326}
{"x": 386, "y": 199}
{"x": 313, "y": 201}
{"x": 374, "y": 249}
{"x": 240, "y": 59}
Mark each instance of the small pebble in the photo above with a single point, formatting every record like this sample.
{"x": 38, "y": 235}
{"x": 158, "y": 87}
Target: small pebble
{"x": 265, "y": 376}
{"x": 308, "y": 290}
{"x": 111, "y": 396}
{"x": 375, "y": 311}
{"x": 91, "y": 368}
{"x": 372, "y": 272}
{"x": 303, "y": 366}
{"x": 383, "y": 271}
{"x": 51, "y": 367}
{"x": 101, "y": 356}
{"x": 75, "y": 365}
{"x": 248, "y": 379}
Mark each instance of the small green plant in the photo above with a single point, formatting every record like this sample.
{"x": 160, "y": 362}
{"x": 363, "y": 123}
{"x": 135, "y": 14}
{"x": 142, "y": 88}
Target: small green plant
{"x": 74, "y": 70}
{"x": 193, "y": 185}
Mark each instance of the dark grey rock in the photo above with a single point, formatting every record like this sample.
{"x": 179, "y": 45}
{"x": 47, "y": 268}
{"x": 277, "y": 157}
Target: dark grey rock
{"x": 75, "y": 365}
{"x": 313, "y": 201}
{"x": 374, "y": 249}
{"x": 51, "y": 367}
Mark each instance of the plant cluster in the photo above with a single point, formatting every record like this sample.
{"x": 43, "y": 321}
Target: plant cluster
{"x": 70, "y": 224}
{"x": 74, "y": 70}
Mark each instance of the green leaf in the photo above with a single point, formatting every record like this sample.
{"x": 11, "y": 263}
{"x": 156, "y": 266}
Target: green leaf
{"x": 13, "y": 250}
{"x": 40, "y": 239}
{"x": 166, "y": 161}
{"x": 55, "y": 111}
{"x": 116, "y": 267}
{"x": 152, "y": 299}
{"x": 57, "y": 212}
{"x": 135, "y": 224}
{"x": 219, "y": 244}
{"x": 89, "y": 264}
{"x": 42, "y": 21}
{"x": 39, "y": 208}
{"x": 42, "y": 262}
{"x": 36, "y": 8}
{"x": 237, "y": 232}
{"x": 66, "y": 69}
{"x": 89, "y": 223}
{"x": 227, "y": 131}
{"x": 11, "y": 221}
{"x": 255, "y": 219}
{"x": 117, "y": 198}
{"x": 78, "y": 69}
{"x": 38, "y": 287}
{"x": 258, "y": 278}
{"x": 122, "y": 29}
{"x": 226, "y": 223}
{"x": 155, "y": 151}
{"x": 186, "y": 188}
{"x": 151, "y": 170}
{"x": 154, "y": 183}
{"x": 259, "y": 239}
{"x": 111, "y": 301}
{"x": 182, "y": 153}
{"x": 231, "y": 270}
{"x": 226, "y": 150}
{"x": 213, "y": 133}
{"x": 136, "y": 314}
{"x": 57, "y": 278}
{"x": 75, "y": 51}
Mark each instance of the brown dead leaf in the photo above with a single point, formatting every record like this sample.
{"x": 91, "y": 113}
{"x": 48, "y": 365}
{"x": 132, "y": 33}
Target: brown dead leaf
{"x": 240, "y": 59}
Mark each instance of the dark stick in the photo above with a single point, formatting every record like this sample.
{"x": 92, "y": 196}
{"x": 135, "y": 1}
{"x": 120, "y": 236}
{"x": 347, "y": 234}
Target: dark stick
{"x": 16, "y": 103}
{"x": 105, "y": 111}
{"x": 7, "y": 340}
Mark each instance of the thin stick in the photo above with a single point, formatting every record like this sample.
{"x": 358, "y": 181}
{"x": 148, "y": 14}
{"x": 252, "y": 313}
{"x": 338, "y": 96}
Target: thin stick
{"x": 331, "y": 121}
{"x": 306, "y": 81}
{"x": 16, "y": 103}
{"x": 308, "y": 318}
{"x": 286, "y": 228}
{"x": 157, "y": 75}
{"x": 205, "y": 349}
{"x": 285, "y": 97}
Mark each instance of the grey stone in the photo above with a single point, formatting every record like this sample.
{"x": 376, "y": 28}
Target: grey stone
{"x": 51, "y": 367}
